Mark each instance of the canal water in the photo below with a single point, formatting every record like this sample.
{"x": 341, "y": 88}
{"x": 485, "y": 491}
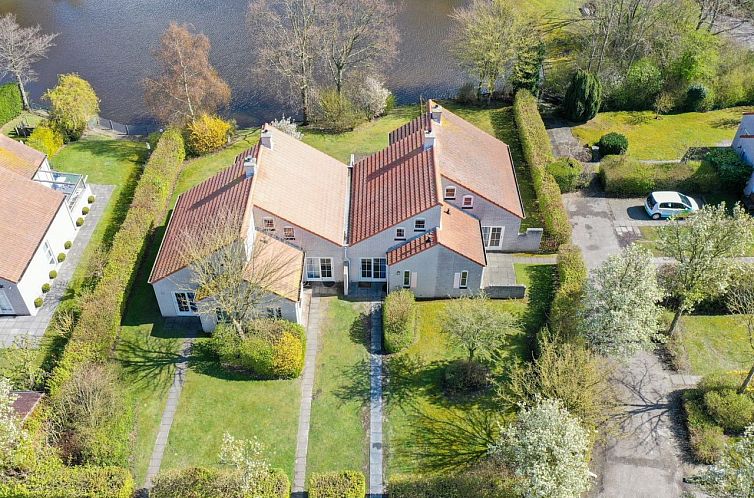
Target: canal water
{"x": 108, "y": 42}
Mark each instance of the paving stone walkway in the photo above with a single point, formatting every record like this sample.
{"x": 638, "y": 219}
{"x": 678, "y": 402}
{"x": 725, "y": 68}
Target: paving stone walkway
{"x": 12, "y": 327}
{"x": 307, "y": 388}
{"x": 500, "y": 270}
{"x": 376, "y": 454}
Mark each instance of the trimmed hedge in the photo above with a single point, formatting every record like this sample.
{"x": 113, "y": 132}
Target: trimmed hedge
{"x": 345, "y": 484}
{"x": 567, "y": 173}
{"x": 623, "y": 176}
{"x": 399, "y": 320}
{"x": 11, "y": 104}
{"x": 572, "y": 276}
{"x": 537, "y": 150}
{"x": 486, "y": 482}
{"x": 613, "y": 144}
{"x": 96, "y": 330}
{"x": 72, "y": 482}
{"x": 203, "y": 482}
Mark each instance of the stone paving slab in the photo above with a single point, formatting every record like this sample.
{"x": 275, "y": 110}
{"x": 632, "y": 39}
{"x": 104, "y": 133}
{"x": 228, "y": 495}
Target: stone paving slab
{"x": 376, "y": 449}
{"x": 12, "y": 327}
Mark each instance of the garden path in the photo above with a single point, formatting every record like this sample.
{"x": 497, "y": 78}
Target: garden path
{"x": 376, "y": 456}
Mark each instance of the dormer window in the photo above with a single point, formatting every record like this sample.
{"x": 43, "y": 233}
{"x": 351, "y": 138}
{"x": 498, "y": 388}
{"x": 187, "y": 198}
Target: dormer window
{"x": 468, "y": 202}
{"x": 450, "y": 193}
{"x": 400, "y": 233}
{"x": 268, "y": 224}
{"x": 420, "y": 225}
{"x": 288, "y": 233}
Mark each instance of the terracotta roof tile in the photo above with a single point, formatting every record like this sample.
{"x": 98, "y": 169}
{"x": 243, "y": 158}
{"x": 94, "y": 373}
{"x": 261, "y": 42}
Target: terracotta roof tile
{"x": 27, "y": 209}
{"x": 420, "y": 123}
{"x": 19, "y": 158}
{"x": 228, "y": 190}
{"x": 392, "y": 185}
{"x": 412, "y": 247}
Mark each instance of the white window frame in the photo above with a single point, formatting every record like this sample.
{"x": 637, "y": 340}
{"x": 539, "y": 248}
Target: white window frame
{"x": 487, "y": 237}
{"x": 423, "y": 223}
{"x": 49, "y": 253}
{"x": 406, "y": 279}
{"x": 319, "y": 265}
{"x": 368, "y": 269}
{"x": 450, "y": 197}
{"x": 190, "y": 298}
{"x": 268, "y": 224}
{"x": 400, "y": 233}
{"x": 463, "y": 282}
{"x": 289, "y": 233}
{"x": 470, "y": 199}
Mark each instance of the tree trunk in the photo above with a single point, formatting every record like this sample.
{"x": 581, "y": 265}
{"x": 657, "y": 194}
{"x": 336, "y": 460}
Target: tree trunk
{"x": 24, "y": 97}
{"x": 304, "y": 106}
{"x": 676, "y": 319}
{"x": 747, "y": 381}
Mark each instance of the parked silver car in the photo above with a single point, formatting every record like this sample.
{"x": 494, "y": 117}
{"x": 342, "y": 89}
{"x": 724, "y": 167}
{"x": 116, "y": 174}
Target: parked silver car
{"x": 666, "y": 204}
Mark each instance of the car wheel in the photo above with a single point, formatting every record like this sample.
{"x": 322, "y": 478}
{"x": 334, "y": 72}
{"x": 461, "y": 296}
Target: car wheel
{"x": 656, "y": 216}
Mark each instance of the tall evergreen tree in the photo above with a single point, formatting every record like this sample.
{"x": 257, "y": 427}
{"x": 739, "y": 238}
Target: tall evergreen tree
{"x": 583, "y": 98}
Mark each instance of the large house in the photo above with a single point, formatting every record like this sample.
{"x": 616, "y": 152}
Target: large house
{"x": 423, "y": 214}
{"x": 38, "y": 211}
{"x": 743, "y": 144}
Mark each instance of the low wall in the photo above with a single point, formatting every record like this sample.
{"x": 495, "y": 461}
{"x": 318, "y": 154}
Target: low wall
{"x": 526, "y": 242}
{"x": 506, "y": 291}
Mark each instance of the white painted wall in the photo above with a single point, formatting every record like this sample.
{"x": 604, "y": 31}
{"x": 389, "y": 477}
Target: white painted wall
{"x": 435, "y": 271}
{"x": 745, "y": 146}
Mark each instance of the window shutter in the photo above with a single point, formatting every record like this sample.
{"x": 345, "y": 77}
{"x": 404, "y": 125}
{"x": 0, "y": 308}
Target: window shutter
{"x": 413, "y": 279}
{"x": 456, "y": 280}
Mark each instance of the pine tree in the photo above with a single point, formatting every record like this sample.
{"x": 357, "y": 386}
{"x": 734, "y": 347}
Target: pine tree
{"x": 583, "y": 98}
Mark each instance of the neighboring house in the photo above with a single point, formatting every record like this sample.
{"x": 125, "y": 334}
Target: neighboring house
{"x": 38, "y": 212}
{"x": 743, "y": 144}
{"x": 285, "y": 195}
{"x": 422, "y": 214}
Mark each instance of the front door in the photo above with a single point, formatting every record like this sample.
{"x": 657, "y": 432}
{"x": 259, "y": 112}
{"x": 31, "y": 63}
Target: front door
{"x": 5, "y": 307}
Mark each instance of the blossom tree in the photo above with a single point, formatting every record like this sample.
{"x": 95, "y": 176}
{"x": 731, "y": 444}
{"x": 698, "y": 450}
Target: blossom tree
{"x": 246, "y": 456}
{"x": 733, "y": 475}
{"x": 547, "y": 448}
{"x": 620, "y": 304}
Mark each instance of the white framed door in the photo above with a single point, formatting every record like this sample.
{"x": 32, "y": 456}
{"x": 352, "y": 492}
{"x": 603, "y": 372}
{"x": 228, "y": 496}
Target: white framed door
{"x": 493, "y": 237}
{"x": 5, "y": 307}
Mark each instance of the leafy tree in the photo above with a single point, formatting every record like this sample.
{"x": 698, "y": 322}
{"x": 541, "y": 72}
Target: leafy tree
{"x": 548, "y": 448}
{"x": 527, "y": 70}
{"x": 72, "y": 104}
{"x": 186, "y": 84}
{"x": 246, "y": 456}
{"x": 583, "y": 97}
{"x": 45, "y": 139}
{"x": 370, "y": 96}
{"x": 703, "y": 248}
{"x": 643, "y": 84}
{"x": 335, "y": 111}
{"x": 620, "y": 304}
{"x": 473, "y": 324}
{"x": 733, "y": 475}
{"x": 663, "y": 104}
{"x": 741, "y": 302}
{"x": 20, "y": 47}
{"x": 697, "y": 59}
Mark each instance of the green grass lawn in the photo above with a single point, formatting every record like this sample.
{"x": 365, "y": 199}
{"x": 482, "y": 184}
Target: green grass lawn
{"x": 715, "y": 343}
{"x": 666, "y": 138}
{"x": 649, "y": 236}
{"x": 340, "y": 417}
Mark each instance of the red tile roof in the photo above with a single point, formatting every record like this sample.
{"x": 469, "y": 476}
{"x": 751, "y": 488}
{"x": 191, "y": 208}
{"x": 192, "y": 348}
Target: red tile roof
{"x": 227, "y": 191}
{"x": 420, "y": 123}
{"x": 391, "y": 186}
{"x": 458, "y": 232}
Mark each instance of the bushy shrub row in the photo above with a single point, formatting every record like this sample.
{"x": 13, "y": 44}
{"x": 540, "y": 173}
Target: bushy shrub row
{"x": 572, "y": 276}
{"x": 346, "y": 484}
{"x": 272, "y": 349}
{"x": 10, "y": 102}
{"x": 624, "y": 176}
{"x": 567, "y": 172}
{"x": 731, "y": 169}
{"x": 202, "y": 482}
{"x": 485, "y": 481}
{"x": 538, "y": 154}
{"x": 399, "y": 320}
{"x": 95, "y": 332}
{"x": 59, "y": 481}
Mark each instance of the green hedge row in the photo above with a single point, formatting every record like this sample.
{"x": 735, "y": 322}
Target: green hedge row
{"x": 96, "y": 330}
{"x": 11, "y": 104}
{"x": 203, "y": 482}
{"x": 538, "y": 154}
{"x": 572, "y": 276}
{"x": 624, "y": 176}
{"x": 72, "y": 482}
{"x": 345, "y": 484}
{"x": 476, "y": 483}
{"x": 399, "y": 320}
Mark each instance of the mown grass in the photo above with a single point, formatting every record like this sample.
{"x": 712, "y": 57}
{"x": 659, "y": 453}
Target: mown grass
{"x": 716, "y": 343}
{"x": 339, "y": 417}
{"x": 649, "y": 235}
{"x": 668, "y": 137}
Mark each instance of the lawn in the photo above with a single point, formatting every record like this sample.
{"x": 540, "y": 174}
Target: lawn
{"x": 715, "y": 343}
{"x": 340, "y": 417}
{"x": 649, "y": 236}
{"x": 668, "y": 137}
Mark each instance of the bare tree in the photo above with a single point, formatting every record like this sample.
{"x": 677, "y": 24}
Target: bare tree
{"x": 187, "y": 84}
{"x": 721, "y": 16}
{"x": 741, "y": 302}
{"x": 358, "y": 35}
{"x": 20, "y": 47}
{"x": 232, "y": 276}
{"x": 287, "y": 38}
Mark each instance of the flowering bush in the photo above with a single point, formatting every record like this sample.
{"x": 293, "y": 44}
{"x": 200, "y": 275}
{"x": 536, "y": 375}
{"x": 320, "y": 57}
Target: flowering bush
{"x": 207, "y": 134}
{"x": 287, "y": 126}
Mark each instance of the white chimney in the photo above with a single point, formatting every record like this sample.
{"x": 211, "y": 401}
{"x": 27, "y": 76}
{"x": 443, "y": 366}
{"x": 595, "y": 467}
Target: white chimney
{"x": 266, "y": 139}
{"x": 429, "y": 139}
{"x": 250, "y": 166}
{"x": 437, "y": 113}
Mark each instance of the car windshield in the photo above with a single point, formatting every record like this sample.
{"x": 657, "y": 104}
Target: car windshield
{"x": 651, "y": 200}
{"x": 685, "y": 200}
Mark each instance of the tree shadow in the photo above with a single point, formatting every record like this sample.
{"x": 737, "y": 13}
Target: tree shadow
{"x": 148, "y": 361}
{"x": 205, "y": 361}
{"x": 725, "y": 123}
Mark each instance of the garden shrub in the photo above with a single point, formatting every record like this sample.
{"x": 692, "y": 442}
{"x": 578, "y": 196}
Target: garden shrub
{"x": 79, "y": 221}
{"x": 46, "y": 140}
{"x": 732, "y": 411}
{"x": 96, "y": 330}
{"x": 464, "y": 377}
{"x": 59, "y": 481}
{"x": 537, "y": 151}
{"x": 204, "y": 482}
{"x": 583, "y": 98}
{"x": 61, "y": 257}
{"x": 90, "y": 199}
{"x": 11, "y": 104}
{"x": 566, "y": 304}
{"x": 486, "y": 480}
{"x": 731, "y": 169}
{"x": 85, "y": 210}
{"x": 399, "y": 320}
{"x": 38, "y": 302}
{"x": 613, "y": 144}
{"x": 624, "y": 176}
{"x": 207, "y": 134}
{"x": 335, "y": 112}
{"x": 467, "y": 93}
{"x": 696, "y": 98}
{"x": 567, "y": 172}
{"x": 344, "y": 484}
{"x": 45, "y": 288}
{"x": 707, "y": 442}
{"x": 72, "y": 104}
{"x": 53, "y": 274}
{"x": 68, "y": 244}
{"x": 642, "y": 86}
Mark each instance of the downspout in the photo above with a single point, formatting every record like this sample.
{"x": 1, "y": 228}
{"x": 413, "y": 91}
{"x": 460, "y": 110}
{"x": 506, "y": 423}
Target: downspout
{"x": 346, "y": 232}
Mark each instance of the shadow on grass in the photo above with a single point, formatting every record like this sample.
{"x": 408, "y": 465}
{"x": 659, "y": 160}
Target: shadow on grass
{"x": 148, "y": 361}
{"x": 726, "y": 123}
